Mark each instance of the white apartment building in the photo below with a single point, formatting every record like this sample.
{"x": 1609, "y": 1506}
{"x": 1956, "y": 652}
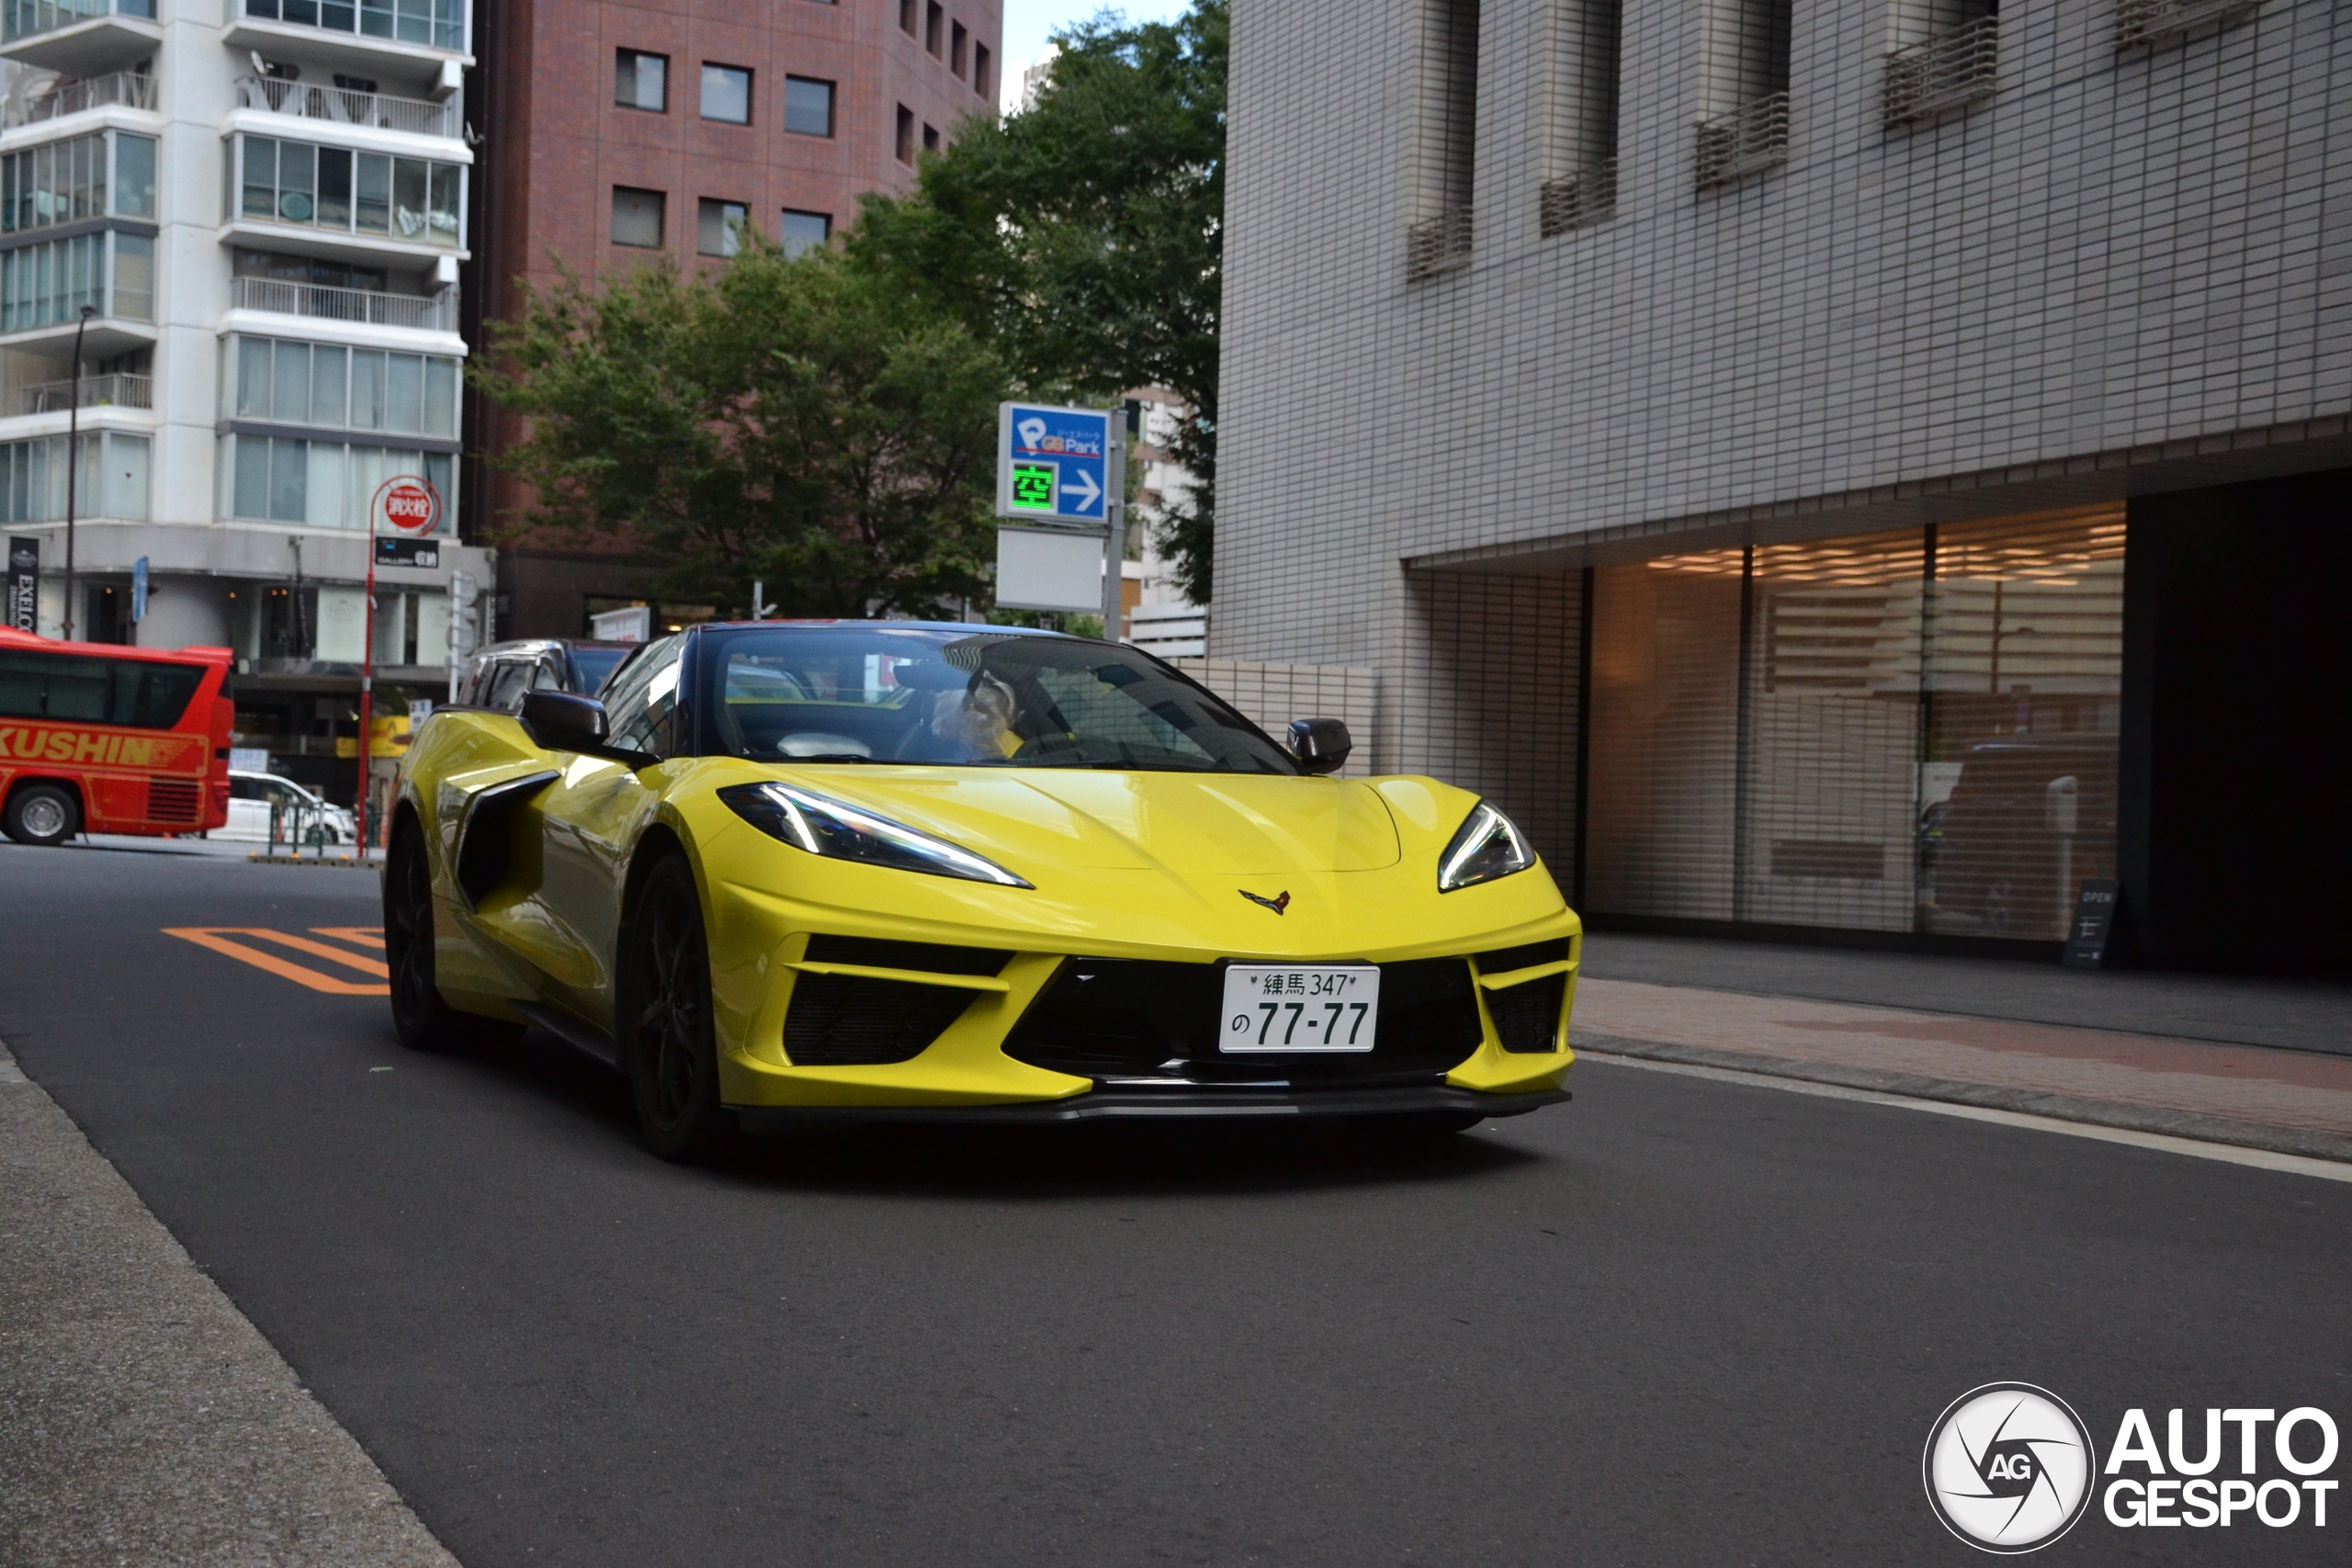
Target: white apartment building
{"x": 251, "y": 214}
{"x": 1823, "y": 465}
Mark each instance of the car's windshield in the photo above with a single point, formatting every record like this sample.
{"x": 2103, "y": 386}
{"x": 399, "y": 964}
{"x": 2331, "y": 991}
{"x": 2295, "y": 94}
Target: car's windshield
{"x": 595, "y": 664}
{"x": 876, "y": 692}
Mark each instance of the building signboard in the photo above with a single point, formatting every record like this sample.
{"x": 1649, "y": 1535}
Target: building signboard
{"x": 24, "y": 585}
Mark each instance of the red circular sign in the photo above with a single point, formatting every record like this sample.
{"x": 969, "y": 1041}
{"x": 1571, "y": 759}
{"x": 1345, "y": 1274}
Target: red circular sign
{"x": 408, "y": 503}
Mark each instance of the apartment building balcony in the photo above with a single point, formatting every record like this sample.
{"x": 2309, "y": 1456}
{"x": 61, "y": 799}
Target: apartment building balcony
{"x": 1752, "y": 139}
{"x": 342, "y": 105}
{"x": 1941, "y": 76}
{"x": 417, "y": 42}
{"x": 120, "y": 390}
{"x": 124, "y": 89}
{"x": 360, "y": 306}
{"x": 1577, "y": 199}
{"x": 1438, "y": 245}
{"x": 2150, "y": 25}
{"x": 82, "y": 37}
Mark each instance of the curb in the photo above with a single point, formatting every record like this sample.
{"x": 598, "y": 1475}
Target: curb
{"x": 2032, "y": 1103}
{"x": 346, "y": 861}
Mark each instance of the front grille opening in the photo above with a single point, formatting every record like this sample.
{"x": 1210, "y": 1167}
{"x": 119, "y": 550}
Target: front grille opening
{"x": 1527, "y": 1015}
{"x": 1503, "y": 960}
{"x": 173, "y": 800}
{"x": 938, "y": 958}
{"x": 1126, "y": 1019}
{"x": 848, "y": 1020}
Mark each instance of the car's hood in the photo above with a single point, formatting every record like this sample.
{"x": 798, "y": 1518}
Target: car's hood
{"x": 1218, "y": 823}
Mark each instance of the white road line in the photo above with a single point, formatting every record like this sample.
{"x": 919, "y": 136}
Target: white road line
{"x": 2197, "y": 1148}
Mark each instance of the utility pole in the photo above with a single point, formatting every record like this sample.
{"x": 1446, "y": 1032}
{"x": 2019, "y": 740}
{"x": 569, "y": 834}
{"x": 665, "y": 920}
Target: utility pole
{"x": 74, "y": 459}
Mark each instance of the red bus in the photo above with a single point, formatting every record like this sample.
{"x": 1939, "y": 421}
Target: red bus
{"x": 105, "y": 739}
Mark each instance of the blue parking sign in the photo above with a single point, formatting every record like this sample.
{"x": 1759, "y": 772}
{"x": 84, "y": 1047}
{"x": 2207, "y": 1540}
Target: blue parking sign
{"x": 1052, "y": 463}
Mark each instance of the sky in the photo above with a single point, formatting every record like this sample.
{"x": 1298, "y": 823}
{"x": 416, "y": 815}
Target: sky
{"x": 1027, "y": 22}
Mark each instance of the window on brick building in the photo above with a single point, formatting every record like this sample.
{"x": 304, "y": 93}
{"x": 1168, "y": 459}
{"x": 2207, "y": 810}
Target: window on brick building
{"x": 956, "y": 37}
{"x": 930, "y": 139}
{"x": 907, "y": 17}
{"x": 807, "y": 105}
{"x": 804, "y": 231}
{"x": 719, "y": 227}
{"x": 906, "y": 141}
{"x": 980, "y": 69}
{"x": 727, "y": 94}
{"x": 933, "y": 16}
{"x": 636, "y": 217}
{"x": 642, "y": 81}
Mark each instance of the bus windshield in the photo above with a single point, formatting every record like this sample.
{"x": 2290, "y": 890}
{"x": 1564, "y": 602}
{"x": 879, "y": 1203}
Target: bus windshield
{"x": 78, "y": 688}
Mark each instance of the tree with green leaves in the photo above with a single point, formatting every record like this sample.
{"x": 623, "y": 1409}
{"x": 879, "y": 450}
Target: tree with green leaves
{"x": 796, "y": 421}
{"x": 1084, "y": 237}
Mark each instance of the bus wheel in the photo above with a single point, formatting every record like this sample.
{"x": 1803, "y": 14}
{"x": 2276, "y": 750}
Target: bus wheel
{"x": 42, "y": 814}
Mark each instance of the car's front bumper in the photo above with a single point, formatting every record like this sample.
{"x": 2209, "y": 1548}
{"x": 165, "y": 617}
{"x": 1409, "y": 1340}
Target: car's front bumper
{"x": 1152, "y": 1105}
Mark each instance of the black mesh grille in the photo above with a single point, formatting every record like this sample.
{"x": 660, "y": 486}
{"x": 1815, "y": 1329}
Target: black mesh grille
{"x": 173, "y": 800}
{"x": 1527, "y": 1015}
{"x": 1109, "y": 1018}
{"x": 1503, "y": 960}
{"x": 845, "y": 1021}
{"x": 937, "y": 957}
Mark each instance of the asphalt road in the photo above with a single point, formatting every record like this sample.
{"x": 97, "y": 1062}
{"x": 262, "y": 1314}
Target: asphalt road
{"x": 1677, "y": 1321}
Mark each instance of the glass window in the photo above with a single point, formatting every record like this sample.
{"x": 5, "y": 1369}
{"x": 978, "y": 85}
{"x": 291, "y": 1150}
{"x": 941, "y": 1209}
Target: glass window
{"x": 366, "y": 388}
{"x": 990, "y": 698}
{"x": 636, "y": 217}
{"x": 298, "y": 178}
{"x": 404, "y": 393}
{"x": 290, "y": 399}
{"x": 134, "y": 277}
{"x": 134, "y": 694}
{"x": 441, "y": 397}
{"x": 980, "y": 69}
{"x": 409, "y": 180}
{"x": 253, "y": 361}
{"x": 644, "y": 697}
{"x": 334, "y": 187}
{"x": 956, "y": 40}
{"x": 642, "y": 81}
{"x": 373, "y": 212}
{"x": 323, "y": 495}
{"x": 904, "y": 146}
{"x": 719, "y": 227}
{"x": 134, "y": 175}
{"x": 125, "y": 476}
{"x": 807, "y": 105}
{"x": 727, "y": 94}
{"x": 251, "y": 497}
{"x": 290, "y": 473}
{"x": 261, "y": 177}
{"x": 803, "y": 231}
{"x": 329, "y": 370}
{"x": 441, "y": 218}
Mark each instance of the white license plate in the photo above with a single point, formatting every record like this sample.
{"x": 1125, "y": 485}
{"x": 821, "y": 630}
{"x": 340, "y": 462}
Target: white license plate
{"x": 1292, "y": 1007}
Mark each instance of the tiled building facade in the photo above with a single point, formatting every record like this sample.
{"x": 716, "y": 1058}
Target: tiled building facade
{"x": 1725, "y": 424}
{"x": 622, "y": 133}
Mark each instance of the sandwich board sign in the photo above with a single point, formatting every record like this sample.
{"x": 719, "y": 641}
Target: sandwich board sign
{"x": 1054, "y": 465}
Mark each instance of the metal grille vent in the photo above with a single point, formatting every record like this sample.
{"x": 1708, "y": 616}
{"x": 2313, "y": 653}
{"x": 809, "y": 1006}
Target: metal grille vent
{"x": 1749, "y": 141}
{"x": 2160, "y": 23}
{"x": 174, "y": 800}
{"x": 1437, "y": 246}
{"x": 1576, "y": 201}
{"x": 1527, "y": 1017}
{"x": 845, "y": 1020}
{"x": 1941, "y": 76}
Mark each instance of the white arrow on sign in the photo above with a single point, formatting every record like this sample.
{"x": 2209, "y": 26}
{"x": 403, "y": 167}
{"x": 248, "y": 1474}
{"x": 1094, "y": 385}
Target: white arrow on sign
{"x": 1087, "y": 497}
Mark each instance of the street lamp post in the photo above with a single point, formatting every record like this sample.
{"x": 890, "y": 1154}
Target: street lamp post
{"x": 73, "y": 459}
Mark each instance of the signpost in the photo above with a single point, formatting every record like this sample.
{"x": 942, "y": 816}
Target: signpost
{"x": 1061, "y": 476}
{"x": 139, "y": 591}
{"x": 412, "y": 508}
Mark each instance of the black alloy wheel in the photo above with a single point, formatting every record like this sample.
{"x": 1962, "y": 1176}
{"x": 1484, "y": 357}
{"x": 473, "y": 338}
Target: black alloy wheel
{"x": 422, "y": 1021}
{"x": 664, "y": 1019}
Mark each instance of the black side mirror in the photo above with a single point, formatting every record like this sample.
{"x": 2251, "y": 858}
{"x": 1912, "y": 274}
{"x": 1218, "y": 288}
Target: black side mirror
{"x": 559, "y": 721}
{"x": 1321, "y": 745}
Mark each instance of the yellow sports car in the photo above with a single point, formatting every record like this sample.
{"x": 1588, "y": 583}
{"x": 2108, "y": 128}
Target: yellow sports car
{"x": 795, "y": 871}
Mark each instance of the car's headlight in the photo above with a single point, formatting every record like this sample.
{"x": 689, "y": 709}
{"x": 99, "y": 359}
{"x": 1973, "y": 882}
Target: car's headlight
{"x": 1487, "y": 847}
{"x": 835, "y": 829}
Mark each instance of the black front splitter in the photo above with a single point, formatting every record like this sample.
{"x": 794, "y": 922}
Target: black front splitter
{"x": 1176, "y": 1105}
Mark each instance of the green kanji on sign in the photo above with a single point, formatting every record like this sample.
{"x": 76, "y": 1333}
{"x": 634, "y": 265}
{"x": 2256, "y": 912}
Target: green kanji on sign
{"x": 1032, "y": 487}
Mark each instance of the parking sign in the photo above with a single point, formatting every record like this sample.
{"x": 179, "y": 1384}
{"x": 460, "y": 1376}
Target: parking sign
{"x": 1052, "y": 463}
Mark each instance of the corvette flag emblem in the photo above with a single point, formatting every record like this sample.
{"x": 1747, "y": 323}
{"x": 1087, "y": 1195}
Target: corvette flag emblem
{"x": 1277, "y": 904}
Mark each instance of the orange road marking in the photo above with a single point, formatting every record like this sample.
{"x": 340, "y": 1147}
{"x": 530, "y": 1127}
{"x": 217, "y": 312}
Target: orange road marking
{"x": 369, "y": 937}
{"x": 217, "y": 939}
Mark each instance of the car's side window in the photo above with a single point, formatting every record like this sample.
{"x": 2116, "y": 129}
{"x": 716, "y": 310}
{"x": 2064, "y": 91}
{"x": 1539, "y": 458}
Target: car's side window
{"x": 546, "y": 677}
{"x": 506, "y": 685}
{"x": 243, "y": 789}
{"x": 644, "y": 698}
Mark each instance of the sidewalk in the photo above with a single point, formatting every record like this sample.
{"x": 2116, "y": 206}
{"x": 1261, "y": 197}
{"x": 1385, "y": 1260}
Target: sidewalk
{"x": 146, "y": 1420}
{"x": 2292, "y": 1094}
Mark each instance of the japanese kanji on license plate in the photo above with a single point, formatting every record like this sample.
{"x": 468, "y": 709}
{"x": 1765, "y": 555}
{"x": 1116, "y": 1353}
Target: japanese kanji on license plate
{"x": 1293, "y": 1008}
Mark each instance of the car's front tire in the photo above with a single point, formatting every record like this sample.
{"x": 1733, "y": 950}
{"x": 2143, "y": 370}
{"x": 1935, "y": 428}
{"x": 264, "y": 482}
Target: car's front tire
{"x": 663, "y": 1020}
{"x": 424, "y": 1022}
{"x": 43, "y": 814}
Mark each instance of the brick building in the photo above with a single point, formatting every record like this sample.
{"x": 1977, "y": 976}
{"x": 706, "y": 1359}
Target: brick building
{"x": 1859, "y": 467}
{"x": 614, "y": 134}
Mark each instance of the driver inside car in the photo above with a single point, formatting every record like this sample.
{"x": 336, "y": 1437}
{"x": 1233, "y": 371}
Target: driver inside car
{"x": 979, "y": 717}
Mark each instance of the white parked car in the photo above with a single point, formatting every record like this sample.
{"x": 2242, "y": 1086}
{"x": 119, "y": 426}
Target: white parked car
{"x": 301, "y": 817}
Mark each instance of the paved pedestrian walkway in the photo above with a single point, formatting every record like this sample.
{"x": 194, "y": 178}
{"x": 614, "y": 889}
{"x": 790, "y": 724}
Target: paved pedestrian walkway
{"x": 2293, "y": 1097}
{"x": 142, "y": 1418}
